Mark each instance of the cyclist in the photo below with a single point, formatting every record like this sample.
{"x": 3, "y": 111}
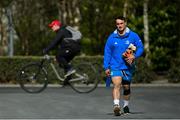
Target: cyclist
{"x": 116, "y": 66}
{"x": 67, "y": 40}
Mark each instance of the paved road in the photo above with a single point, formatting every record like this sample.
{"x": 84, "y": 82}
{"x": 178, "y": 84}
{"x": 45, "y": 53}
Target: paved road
{"x": 64, "y": 103}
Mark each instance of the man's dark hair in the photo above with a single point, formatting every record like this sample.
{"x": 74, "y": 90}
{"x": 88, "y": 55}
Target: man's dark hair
{"x": 121, "y": 18}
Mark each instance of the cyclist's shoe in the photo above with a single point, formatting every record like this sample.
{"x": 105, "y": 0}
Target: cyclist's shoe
{"x": 126, "y": 110}
{"x": 66, "y": 81}
{"x": 69, "y": 72}
{"x": 117, "y": 110}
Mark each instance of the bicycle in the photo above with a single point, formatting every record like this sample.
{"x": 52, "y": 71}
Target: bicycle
{"x": 33, "y": 77}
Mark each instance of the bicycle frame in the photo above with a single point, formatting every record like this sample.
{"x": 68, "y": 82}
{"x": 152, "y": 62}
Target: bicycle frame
{"x": 56, "y": 72}
{"x": 79, "y": 77}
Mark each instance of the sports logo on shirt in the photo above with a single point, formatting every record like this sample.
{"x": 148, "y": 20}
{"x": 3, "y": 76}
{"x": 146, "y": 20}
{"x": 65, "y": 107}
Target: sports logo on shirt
{"x": 127, "y": 42}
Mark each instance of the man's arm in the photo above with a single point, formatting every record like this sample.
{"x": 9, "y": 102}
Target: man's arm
{"x": 107, "y": 54}
{"x": 139, "y": 50}
{"x": 58, "y": 38}
{"x": 139, "y": 47}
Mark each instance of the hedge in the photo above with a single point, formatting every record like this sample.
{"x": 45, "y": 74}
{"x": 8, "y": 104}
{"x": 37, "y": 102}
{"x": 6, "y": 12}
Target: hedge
{"x": 9, "y": 67}
{"x": 174, "y": 71}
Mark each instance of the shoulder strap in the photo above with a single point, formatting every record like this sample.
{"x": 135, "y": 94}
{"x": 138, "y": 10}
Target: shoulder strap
{"x": 76, "y": 35}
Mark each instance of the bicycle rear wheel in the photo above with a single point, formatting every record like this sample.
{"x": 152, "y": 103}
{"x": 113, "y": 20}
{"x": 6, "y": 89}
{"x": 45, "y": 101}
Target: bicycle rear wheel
{"x": 85, "y": 79}
{"x": 33, "y": 78}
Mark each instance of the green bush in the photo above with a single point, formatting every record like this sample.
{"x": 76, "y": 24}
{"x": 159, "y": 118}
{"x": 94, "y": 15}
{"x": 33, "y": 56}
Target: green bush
{"x": 10, "y": 66}
{"x": 174, "y": 71}
{"x": 143, "y": 73}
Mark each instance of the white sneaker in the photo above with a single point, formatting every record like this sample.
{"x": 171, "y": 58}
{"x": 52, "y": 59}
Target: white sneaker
{"x": 71, "y": 71}
{"x": 117, "y": 110}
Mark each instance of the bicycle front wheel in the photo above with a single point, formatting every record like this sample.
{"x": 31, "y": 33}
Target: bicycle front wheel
{"x": 33, "y": 78}
{"x": 85, "y": 79}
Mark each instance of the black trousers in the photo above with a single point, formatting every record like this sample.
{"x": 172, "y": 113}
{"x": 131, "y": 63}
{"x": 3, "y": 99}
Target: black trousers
{"x": 65, "y": 55}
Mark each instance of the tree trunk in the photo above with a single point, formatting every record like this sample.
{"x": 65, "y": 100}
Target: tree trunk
{"x": 146, "y": 32}
{"x": 125, "y": 8}
{"x": 69, "y": 12}
{"x": 3, "y": 33}
{"x": 178, "y": 31}
{"x": 77, "y": 14}
{"x": 62, "y": 11}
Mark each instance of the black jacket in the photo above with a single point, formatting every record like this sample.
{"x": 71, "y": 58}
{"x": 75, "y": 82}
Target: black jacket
{"x": 61, "y": 42}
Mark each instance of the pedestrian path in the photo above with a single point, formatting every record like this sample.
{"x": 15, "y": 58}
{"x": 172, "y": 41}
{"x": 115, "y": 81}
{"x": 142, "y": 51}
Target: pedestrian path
{"x": 103, "y": 85}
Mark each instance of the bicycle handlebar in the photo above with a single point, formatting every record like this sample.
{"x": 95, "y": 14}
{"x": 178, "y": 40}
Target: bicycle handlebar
{"x": 47, "y": 57}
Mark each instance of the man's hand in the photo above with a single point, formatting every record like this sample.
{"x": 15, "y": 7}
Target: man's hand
{"x": 47, "y": 57}
{"x": 107, "y": 72}
{"x": 130, "y": 59}
{"x": 129, "y": 56}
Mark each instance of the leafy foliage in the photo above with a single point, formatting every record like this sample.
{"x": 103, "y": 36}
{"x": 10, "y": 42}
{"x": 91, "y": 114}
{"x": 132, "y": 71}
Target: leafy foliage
{"x": 174, "y": 71}
{"x": 162, "y": 35}
{"x": 31, "y": 17}
{"x": 11, "y": 65}
{"x": 98, "y": 22}
{"x": 143, "y": 73}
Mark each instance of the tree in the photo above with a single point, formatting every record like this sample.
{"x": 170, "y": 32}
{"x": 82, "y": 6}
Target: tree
{"x": 3, "y": 32}
{"x": 69, "y": 12}
{"x": 98, "y": 22}
{"x": 146, "y": 31}
{"x": 163, "y": 37}
{"x": 31, "y": 19}
{"x": 30, "y": 22}
{"x": 178, "y": 25}
{"x": 125, "y": 8}
{"x": 4, "y": 27}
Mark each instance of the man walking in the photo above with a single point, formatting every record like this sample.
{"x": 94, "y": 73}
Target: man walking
{"x": 119, "y": 62}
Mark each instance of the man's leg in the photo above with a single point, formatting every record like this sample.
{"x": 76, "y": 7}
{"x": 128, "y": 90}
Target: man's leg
{"x": 64, "y": 57}
{"x": 63, "y": 63}
{"x": 61, "y": 58}
{"x": 116, "y": 93}
{"x": 126, "y": 95}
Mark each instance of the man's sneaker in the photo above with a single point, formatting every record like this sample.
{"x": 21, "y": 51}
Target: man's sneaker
{"x": 117, "y": 111}
{"x": 126, "y": 110}
{"x": 71, "y": 71}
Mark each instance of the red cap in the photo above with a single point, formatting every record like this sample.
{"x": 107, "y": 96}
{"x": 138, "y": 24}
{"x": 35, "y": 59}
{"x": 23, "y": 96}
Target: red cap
{"x": 55, "y": 22}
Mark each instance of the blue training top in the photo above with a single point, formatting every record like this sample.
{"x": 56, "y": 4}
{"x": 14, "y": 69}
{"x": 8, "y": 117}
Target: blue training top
{"x": 116, "y": 45}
